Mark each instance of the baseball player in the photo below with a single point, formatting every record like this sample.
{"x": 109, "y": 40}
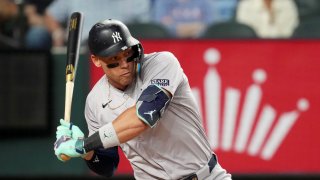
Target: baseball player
{"x": 143, "y": 104}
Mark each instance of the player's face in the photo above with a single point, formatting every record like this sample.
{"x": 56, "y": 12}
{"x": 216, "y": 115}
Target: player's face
{"x": 120, "y": 68}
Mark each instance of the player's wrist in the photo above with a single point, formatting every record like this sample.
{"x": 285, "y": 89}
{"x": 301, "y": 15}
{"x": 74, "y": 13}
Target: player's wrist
{"x": 92, "y": 142}
{"x": 79, "y": 146}
{"x": 106, "y": 137}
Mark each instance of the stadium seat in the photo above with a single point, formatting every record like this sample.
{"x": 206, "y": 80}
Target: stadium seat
{"x": 308, "y": 9}
{"x": 230, "y": 29}
{"x": 148, "y": 31}
{"x": 309, "y": 28}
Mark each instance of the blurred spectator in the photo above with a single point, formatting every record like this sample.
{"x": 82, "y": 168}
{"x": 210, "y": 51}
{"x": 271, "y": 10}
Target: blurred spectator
{"x": 59, "y": 11}
{"x": 183, "y": 18}
{"x": 37, "y": 36}
{"x": 223, "y": 10}
{"x": 12, "y": 24}
{"x": 269, "y": 18}
{"x": 308, "y": 9}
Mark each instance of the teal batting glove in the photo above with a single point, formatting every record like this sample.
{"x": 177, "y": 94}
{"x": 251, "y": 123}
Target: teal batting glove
{"x": 63, "y": 134}
{"x": 63, "y": 131}
{"x": 73, "y": 131}
{"x": 72, "y": 148}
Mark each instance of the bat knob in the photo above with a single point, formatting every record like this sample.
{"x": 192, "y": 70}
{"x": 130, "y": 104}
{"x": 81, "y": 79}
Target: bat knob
{"x": 64, "y": 157}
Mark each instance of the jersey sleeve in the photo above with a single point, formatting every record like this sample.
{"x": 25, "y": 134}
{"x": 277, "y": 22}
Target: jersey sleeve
{"x": 163, "y": 70}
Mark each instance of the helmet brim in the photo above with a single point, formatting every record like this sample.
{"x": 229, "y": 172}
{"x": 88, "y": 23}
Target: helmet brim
{"x": 118, "y": 47}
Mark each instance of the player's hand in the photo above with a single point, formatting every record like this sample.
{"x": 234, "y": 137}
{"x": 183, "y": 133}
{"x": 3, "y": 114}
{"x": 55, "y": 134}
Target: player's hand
{"x": 71, "y": 148}
{"x": 63, "y": 130}
{"x": 68, "y": 129}
{"x": 63, "y": 134}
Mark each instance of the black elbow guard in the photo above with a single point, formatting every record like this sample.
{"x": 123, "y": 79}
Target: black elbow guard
{"x": 151, "y": 104}
{"x": 104, "y": 161}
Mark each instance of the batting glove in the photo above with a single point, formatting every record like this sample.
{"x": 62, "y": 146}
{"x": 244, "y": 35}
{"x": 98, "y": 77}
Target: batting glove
{"x": 69, "y": 129}
{"x": 65, "y": 132}
{"x": 71, "y": 148}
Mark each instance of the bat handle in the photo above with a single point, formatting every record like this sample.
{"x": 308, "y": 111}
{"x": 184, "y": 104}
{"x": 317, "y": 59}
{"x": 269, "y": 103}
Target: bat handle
{"x": 67, "y": 109}
{"x": 68, "y": 100}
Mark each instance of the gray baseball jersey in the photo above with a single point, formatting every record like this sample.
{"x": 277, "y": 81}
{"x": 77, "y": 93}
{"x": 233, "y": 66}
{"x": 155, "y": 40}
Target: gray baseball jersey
{"x": 177, "y": 145}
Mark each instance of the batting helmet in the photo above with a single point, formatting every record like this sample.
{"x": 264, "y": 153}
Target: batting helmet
{"x": 108, "y": 37}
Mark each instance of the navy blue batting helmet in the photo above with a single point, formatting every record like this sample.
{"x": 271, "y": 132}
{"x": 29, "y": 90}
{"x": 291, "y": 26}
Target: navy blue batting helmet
{"x": 108, "y": 37}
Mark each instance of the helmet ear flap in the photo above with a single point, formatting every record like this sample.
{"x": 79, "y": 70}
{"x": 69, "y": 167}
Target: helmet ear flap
{"x": 137, "y": 53}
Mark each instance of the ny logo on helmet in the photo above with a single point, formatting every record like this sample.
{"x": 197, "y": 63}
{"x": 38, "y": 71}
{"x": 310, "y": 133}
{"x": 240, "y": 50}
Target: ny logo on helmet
{"x": 116, "y": 37}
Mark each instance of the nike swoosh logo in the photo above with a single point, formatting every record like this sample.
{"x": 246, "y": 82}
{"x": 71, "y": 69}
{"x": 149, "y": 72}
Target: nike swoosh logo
{"x": 104, "y": 105}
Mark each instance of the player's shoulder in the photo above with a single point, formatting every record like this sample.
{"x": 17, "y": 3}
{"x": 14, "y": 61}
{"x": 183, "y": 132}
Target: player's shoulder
{"x": 159, "y": 55}
{"x": 96, "y": 89}
{"x": 158, "y": 58}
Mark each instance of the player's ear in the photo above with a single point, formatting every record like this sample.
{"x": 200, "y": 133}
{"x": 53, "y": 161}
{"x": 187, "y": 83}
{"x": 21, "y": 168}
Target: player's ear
{"x": 95, "y": 60}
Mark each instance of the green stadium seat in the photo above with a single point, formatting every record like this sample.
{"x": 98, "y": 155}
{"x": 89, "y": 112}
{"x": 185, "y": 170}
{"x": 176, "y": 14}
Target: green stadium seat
{"x": 229, "y": 30}
{"x": 148, "y": 31}
{"x": 309, "y": 28}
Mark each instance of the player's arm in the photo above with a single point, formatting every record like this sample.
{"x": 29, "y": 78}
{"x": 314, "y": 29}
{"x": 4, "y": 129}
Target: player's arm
{"x": 127, "y": 126}
{"x": 131, "y": 123}
{"x": 104, "y": 161}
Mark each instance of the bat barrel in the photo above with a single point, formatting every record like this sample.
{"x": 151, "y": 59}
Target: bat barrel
{"x": 73, "y": 45}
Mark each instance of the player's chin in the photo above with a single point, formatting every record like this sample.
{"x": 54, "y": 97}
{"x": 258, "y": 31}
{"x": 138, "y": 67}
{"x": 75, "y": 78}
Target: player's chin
{"x": 126, "y": 80}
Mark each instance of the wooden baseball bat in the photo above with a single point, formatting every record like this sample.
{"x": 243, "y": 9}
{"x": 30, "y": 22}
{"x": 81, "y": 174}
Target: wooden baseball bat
{"x": 73, "y": 48}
